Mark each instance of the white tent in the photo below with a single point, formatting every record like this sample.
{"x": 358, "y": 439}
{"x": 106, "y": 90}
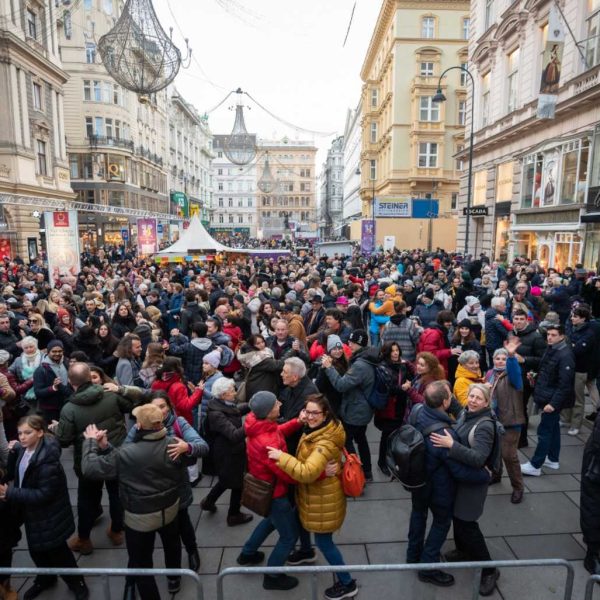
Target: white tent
{"x": 195, "y": 240}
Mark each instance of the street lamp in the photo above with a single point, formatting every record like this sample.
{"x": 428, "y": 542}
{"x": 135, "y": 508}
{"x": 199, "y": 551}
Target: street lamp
{"x": 439, "y": 97}
{"x": 373, "y": 221}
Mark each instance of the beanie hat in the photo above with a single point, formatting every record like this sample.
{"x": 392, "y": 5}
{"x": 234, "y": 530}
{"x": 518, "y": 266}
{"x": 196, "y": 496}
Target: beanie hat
{"x": 465, "y": 323}
{"x": 213, "y": 359}
{"x": 391, "y": 290}
{"x": 148, "y": 416}
{"x": 428, "y": 293}
{"x": 342, "y": 300}
{"x": 261, "y": 403}
{"x": 472, "y": 300}
{"x": 410, "y": 283}
{"x": 62, "y": 312}
{"x": 54, "y": 344}
{"x": 536, "y": 291}
{"x": 239, "y": 298}
{"x": 334, "y": 341}
{"x": 359, "y": 336}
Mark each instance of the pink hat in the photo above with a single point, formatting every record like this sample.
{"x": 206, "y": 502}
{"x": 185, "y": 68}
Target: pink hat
{"x": 536, "y": 291}
{"x": 342, "y": 300}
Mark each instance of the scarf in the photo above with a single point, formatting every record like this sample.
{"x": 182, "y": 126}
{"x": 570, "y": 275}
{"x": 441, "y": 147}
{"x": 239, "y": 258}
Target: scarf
{"x": 59, "y": 369}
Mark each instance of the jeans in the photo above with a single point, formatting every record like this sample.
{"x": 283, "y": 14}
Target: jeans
{"x": 89, "y": 495}
{"x": 140, "y": 547}
{"x": 60, "y": 557}
{"x": 283, "y": 519}
{"x": 421, "y": 549}
{"x": 358, "y": 433}
{"x": 332, "y": 554}
{"x": 375, "y": 338}
{"x": 548, "y": 433}
{"x": 469, "y": 540}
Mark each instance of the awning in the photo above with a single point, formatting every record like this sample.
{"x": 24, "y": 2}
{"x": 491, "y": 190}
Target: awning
{"x": 556, "y": 227}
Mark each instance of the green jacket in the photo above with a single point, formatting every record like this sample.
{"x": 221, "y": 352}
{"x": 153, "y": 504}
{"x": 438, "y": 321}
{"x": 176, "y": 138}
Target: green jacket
{"x": 91, "y": 404}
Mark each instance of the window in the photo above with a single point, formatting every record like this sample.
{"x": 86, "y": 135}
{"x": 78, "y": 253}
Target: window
{"x": 220, "y": 218}
{"x": 428, "y": 110}
{"x": 513, "y": 75}
{"x": 373, "y": 132}
{"x": 460, "y": 163}
{"x": 109, "y": 128}
{"x": 485, "y": 99}
{"x": 240, "y": 218}
{"x": 249, "y": 218}
{"x": 372, "y": 169}
{"x": 87, "y": 4}
{"x": 462, "y": 112}
{"x": 37, "y": 96}
{"x": 428, "y": 27}
{"x": 42, "y": 165}
{"x": 466, "y": 23}
{"x": 220, "y": 186}
{"x": 220, "y": 202}
{"x": 230, "y": 202}
{"x": 231, "y": 218}
{"x": 426, "y": 69}
{"x": 74, "y": 166}
{"x": 454, "y": 201}
{"x": 532, "y": 180}
{"x": 99, "y": 126}
{"x": 374, "y": 97}
{"x": 489, "y": 14}
{"x": 428, "y": 155}
{"x": 68, "y": 24}
{"x": 592, "y": 42}
{"x": 89, "y": 127}
{"x": 31, "y": 24}
{"x": 219, "y": 171}
{"x": 117, "y": 95}
{"x": 240, "y": 203}
{"x": 250, "y": 203}
{"x": 87, "y": 89}
{"x": 463, "y": 75}
{"x": 90, "y": 53}
{"x": 219, "y": 154}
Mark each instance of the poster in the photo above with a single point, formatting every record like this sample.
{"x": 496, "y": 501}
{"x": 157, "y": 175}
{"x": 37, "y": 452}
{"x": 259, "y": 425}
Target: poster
{"x": 549, "y": 177}
{"x": 5, "y": 248}
{"x": 551, "y": 66}
{"x": 62, "y": 245}
{"x": 147, "y": 236}
{"x": 367, "y": 237}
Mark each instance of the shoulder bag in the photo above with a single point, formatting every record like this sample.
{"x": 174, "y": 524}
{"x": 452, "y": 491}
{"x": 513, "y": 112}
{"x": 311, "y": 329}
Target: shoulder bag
{"x": 257, "y": 495}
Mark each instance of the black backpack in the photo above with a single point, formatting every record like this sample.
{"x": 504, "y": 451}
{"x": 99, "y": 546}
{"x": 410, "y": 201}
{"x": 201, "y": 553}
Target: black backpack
{"x": 405, "y": 455}
{"x": 494, "y": 460}
{"x": 382, "y": 384}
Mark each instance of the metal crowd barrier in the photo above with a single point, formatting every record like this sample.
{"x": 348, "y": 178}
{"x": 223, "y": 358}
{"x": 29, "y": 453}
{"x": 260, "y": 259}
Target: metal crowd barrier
{"x": 106, "y": 573}
{"x": 589, "y": 587}
{"x": 478, "y": 565}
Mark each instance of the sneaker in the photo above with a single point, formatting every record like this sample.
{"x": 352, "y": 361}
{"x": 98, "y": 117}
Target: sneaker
{"x": 339, "y": 590}
{"x": 301, "y": 557}
{"x": 173, "y": 584}
{"x": 77, "y": 544}
{"x": 573, "y": 431}
{"x": 280, "y": 582}
{"x": 488, "y": 583}
{"x": 250, "y": 559}
{"x": 529, "y": 469}
{"x": 551, "y": 464}
{"x": 437, "y": 577}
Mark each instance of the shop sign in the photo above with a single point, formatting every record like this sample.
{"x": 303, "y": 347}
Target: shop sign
{"x": 504, "y": 182}
{"x": 181, "y": 200}
{"x": 551, "y": 65}
{"x": 480, "y": 187}
{"x": 159, "y": 228}
{"x": 476, "y": 211}
{"x": 62, "y": 244}
{"x": 125, "y": 234}
{"x": 393, "y": 207}
{"x": 147, "y": 237}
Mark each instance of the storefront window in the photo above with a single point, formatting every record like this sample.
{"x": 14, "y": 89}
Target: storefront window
{"x": 568, "y": 178}
{"x": 549, "y": 190}
{"x": 583, "y": 174}
{"x": 567, "y": 250}
{"x": 526, "y": 245}
{"x": 88, "y": 169}
{"x": 116, "y": 168}
{"x": 501, "y": 246}
{"x": 532, "y": 181}
{"x": 591, "y": 260}
{"x": 116, "y": 198}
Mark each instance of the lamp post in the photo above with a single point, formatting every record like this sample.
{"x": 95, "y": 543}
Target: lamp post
{"x": 439, "y": 97}
{"x": 373, "y": 221}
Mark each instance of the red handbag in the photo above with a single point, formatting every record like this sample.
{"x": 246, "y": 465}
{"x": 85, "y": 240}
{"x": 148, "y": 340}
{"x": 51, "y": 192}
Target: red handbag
{"x": 353, "y": 476}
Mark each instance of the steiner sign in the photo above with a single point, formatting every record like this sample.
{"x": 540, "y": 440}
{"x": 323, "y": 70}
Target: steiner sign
{"x": 393, "y": 207}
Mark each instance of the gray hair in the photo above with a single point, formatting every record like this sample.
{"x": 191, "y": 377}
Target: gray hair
{"x": 297, "y": 366}
{"x": 498, "y": 301}
{"x": 484, "y": 389}
{"x": 468, "y": 355}
{"x": 500, "y": 351}
{"x": 221, "y": 386}
{"x": 29, "y": 340}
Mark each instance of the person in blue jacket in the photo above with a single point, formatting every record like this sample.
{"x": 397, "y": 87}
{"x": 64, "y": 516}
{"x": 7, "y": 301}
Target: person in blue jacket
{"x": 438, "y": 494}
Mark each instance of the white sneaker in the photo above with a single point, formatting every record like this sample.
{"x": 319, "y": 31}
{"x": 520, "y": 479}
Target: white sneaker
{"x": 562, "y": 424}
{"x": 573, "y": 431}
{"x": 529, "y": 469}
{"x": 551, "y": 464}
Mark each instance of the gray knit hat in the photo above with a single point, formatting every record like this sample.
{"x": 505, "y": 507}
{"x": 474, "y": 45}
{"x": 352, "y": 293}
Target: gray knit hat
{"x": 261, "y": 404}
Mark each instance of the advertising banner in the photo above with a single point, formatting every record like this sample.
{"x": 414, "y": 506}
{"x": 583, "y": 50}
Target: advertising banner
{"x": 62, "y": 244}
{"x": 393, "y": 207}
{"x": 5, "y": 248}
{"x": 551, "y": 66}
{"x": 367, "y": 237}
{"x": 147, "y": 236}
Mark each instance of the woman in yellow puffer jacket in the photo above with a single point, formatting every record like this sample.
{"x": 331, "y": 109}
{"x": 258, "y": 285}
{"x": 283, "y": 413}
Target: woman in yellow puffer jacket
{"x": 467, "y": 372}
{"x": 320, "y": 500}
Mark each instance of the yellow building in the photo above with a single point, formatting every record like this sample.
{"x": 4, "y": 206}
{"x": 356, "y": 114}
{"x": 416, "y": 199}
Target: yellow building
{"x": 408, "y": 141}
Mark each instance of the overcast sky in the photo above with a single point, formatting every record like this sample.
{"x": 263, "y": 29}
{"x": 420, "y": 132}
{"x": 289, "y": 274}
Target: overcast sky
{"x": 289, "y": 55}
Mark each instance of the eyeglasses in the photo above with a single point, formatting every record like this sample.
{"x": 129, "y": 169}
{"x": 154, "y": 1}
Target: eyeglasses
{"x": 313, "y": 413}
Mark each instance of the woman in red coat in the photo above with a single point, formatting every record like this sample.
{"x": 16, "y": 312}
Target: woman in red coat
{"x": 435, "y": 339}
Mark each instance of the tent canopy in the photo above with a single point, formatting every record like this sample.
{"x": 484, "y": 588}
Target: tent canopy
{"x": 194, "y": 240}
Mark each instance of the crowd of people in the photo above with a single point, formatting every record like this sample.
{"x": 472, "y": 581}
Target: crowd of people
{"x": 158, "y": 375}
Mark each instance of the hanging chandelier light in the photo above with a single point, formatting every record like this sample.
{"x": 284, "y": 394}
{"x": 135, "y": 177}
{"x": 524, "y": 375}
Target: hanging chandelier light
{"x": 239, "y": 146}
{"x": 267, "y": 183}
{"x": 138, "y": 53}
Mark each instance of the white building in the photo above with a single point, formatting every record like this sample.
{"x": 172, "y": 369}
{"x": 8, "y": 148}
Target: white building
{"x": 234, "y": 194}
{"x": 351, "y": 203}
{"x": 534, "y": 180}
{"x": 332, "y": 190}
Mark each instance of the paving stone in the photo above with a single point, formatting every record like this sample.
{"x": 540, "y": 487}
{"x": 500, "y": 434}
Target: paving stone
{"x": 574, "y": 497}
{"x": 570, "y": 457}
{"x": 553, "y": 546}
{"x": 549, "y": 482}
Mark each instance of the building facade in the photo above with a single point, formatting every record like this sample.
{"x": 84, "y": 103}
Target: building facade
{"x": 332, "y": 191}
{"x": 351, "y": 203}
{"x": 409, "y": 141}
{"x": 293, "y": 200}
{"x": 535, "y": 180}
{"x": 33, "y": 154}
{"x": 234, "y": 204}
{"x": 190, "y": 157}
{"x": 117, "y": 146}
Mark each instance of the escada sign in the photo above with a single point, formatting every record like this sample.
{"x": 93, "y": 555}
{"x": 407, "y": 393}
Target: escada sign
{"x": 476, "y": 211}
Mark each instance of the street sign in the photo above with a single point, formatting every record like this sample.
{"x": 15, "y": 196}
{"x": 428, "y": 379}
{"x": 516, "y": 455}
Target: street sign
{"x": 159, "y": 228}
{"x": 125, "y": 234}
{"x": 476, "y": 211}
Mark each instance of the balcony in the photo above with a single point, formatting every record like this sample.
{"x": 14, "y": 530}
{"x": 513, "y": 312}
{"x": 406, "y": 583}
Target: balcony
{"x": 101, "y": 140}
{"x": 145, "y": 153}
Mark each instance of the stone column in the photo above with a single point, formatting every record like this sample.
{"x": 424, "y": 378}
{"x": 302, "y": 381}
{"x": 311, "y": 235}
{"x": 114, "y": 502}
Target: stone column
{"x": 61, "y": 121}
{"x": 25, "y": 109}
{"x": 55, "y": 125}
{"x": 16, "y": 109}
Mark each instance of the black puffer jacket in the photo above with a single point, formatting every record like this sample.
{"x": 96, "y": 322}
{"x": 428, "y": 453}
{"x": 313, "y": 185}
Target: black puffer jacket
{"x": 293, "y": 400}
{"x": 584, "y": 345}
{"x": 532, "y": 347}
{"x": 590, "y": 492}
{"x": 556, "y": 377}
{"x": 42, "y": 497}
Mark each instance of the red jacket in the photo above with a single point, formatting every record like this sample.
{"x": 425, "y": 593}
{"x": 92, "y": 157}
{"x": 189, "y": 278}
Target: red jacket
{"x": 261, "y": 433}
{"x": 432, "y": 340}
{"x": 235, "y": 333}
{"x": 316, "y": 351}
{"x": 182, "y": 402}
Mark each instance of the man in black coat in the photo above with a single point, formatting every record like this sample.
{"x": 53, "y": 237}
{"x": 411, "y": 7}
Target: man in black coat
{"x": 531, "y": 350}
{"x": 553, "y": 391}
{"x": 589, "y": 507}
{"x": 8, "y": 340}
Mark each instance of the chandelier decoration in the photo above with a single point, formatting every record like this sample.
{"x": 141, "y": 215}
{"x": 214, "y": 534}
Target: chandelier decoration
{"x": 239, "y": 146}
{"x": 137, "y": 52}
{"x": 267, "y": 183}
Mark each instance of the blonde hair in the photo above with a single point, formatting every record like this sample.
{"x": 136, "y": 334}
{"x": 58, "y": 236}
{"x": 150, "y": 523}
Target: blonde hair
{"x": 484, "y": 389}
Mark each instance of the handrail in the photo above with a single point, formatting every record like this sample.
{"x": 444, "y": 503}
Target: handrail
{"x": 589, "y": 586}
